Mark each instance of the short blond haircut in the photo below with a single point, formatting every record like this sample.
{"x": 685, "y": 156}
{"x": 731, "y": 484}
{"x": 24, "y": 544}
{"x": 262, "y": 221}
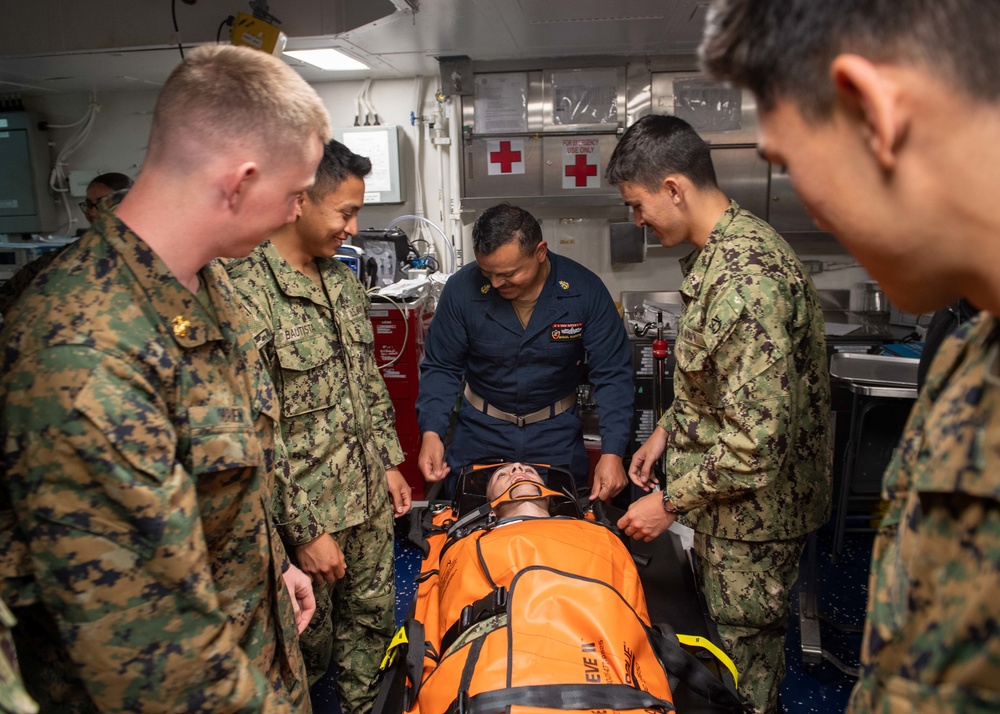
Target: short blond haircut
{"x": 221, "y": 96}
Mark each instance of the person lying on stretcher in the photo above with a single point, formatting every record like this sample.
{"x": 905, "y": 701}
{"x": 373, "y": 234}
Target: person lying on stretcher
{"x": 492, "y": 493}
{"x": 522, "y": 601}
{"x": 509, "y": 518}
{"x": 527, "y": 500}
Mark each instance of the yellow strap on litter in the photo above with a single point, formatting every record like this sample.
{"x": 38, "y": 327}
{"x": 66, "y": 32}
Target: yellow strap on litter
{"x": 695, "y": 641}
{"x": 390, "y": 652}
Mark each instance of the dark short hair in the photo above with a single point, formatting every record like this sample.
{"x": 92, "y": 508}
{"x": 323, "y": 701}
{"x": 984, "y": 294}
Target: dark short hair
{"x": 503, "y": 224}
{"x": 337, "y": 164}
{"x": 782, "y": 49}
{"x": 114, "y": 181}
{"x": 657, "y": 146}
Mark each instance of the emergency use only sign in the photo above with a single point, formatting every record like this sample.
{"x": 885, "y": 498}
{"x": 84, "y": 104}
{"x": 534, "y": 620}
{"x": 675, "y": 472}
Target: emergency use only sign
{"x": 581, "y": 162}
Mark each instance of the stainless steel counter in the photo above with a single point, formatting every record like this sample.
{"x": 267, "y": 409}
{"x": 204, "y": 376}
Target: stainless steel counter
{"x": 882, "y": 390}
{"x": 875, "y": 370}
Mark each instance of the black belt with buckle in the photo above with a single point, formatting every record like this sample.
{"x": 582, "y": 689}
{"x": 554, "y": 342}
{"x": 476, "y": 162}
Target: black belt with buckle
{"x": 520, "y": 419}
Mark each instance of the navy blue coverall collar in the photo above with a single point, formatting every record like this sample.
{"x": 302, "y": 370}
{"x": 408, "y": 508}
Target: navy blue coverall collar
{"x": 547, "y": 310}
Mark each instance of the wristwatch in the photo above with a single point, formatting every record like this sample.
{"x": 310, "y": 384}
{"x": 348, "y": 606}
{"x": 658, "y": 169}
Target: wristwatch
{"x": 668, "y": 506}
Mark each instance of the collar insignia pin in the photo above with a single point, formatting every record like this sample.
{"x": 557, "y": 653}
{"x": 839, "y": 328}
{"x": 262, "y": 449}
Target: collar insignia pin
{"x": 181, "y": 326}
{"x": 564, "y": 285}
{"x": 485, "y": 289}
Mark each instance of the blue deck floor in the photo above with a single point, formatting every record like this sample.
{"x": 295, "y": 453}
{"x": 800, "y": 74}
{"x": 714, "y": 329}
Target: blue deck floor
{"x": 843, "y": 592}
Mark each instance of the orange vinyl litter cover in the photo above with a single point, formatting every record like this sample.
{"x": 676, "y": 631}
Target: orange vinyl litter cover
{"x": 554, "y": 618}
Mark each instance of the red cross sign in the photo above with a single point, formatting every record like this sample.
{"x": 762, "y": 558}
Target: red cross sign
{"x": 581, "y": 170}
{"x": 505, "y": 156}
{"x": 581, "y": 163}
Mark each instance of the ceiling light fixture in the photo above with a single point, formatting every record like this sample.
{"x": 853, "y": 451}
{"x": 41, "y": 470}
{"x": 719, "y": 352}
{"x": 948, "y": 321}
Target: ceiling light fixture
{"x": 328, "y": 59}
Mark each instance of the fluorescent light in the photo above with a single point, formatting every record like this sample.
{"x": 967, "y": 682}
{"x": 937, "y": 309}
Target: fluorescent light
{"x": 329, "y": 59}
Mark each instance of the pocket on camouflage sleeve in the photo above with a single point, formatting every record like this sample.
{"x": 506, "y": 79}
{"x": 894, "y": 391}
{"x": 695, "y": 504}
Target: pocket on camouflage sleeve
{"x": 222, "y": 438}
{"x": 132, "y": 422}
{"x": 690, "y": 351}
{"x": 359, "y": 329}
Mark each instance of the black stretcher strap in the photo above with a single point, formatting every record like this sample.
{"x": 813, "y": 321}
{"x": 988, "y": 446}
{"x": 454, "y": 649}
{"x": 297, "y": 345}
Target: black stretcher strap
{"x": 678, "y": 661}
{"x": 469, "y": 522}
{"x": 419, "y": 524}
{"x": 559, "y": 696}
{"x": 493, "y": 603}
{"x": 414, "y": 661}
{"x": 471, "y": 661}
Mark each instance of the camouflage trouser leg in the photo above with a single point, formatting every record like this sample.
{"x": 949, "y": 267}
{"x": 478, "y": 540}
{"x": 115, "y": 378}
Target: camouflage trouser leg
{"x": 316, "y": 642}
{"x": 747, "y": 588}
{"x": 363, "y": 603}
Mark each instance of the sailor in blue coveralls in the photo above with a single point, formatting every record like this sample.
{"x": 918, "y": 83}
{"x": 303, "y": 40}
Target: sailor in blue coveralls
{"x": 518, "y": 325}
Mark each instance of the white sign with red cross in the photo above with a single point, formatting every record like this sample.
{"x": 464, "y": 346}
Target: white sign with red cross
{"x": 505, "y": 156}
{"x": 581, "y": 163}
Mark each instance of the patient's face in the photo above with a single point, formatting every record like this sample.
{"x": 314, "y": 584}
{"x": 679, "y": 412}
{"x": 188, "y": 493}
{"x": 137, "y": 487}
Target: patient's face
{"x": 508, "y": 474}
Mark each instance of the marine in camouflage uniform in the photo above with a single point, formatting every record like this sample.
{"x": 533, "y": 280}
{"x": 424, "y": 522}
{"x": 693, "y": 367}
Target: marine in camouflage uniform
{"x": 136, "y": 543}
{"x": 338, "y": 426}
{"x": 747, "y": 435}
{"x": 931, "y": 641}
{"x": 885, "y": 166}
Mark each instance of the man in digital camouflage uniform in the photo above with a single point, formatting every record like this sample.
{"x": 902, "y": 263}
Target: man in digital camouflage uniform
{"x": 746, "y": 438}
{"x": 887, "y": 116}
{"x": 310, "y": 320}
{"x": 138, "y": 550}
